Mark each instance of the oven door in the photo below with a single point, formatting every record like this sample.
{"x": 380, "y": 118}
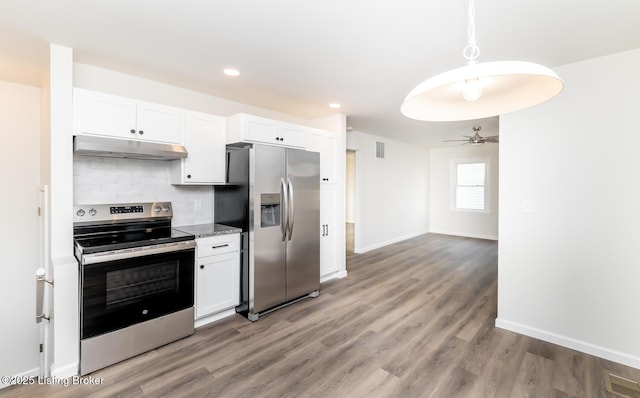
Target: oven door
{"x": 126, "y": 291}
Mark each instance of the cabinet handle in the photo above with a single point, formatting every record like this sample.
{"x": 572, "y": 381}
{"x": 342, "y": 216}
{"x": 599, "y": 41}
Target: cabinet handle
{"x": 140, "y": 132}
{"x": 327, "y": 229}
{"x": 202, "y": 266}
{"x": 219, "y": 246}
{"x": 188, "y": 175}
{"x": 133, "y": 131}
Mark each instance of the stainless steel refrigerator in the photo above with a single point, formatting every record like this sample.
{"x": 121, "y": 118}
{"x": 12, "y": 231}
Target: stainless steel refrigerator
{"x": 273, "y": 194}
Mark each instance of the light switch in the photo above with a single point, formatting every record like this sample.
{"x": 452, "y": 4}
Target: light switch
{"x": 527, "y": 206}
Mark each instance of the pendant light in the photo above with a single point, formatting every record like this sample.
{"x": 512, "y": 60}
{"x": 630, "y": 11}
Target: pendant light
{"x": 480, "y": 90}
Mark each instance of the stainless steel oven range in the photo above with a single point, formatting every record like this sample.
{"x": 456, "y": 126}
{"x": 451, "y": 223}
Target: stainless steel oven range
{"x": 136, "y": 280}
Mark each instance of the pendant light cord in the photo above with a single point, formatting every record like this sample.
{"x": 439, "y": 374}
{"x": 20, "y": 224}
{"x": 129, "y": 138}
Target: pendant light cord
{"x": 471, "y": 51}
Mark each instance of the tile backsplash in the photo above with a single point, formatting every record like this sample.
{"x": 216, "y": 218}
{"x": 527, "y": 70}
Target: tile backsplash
{"x": 116, "y": 180}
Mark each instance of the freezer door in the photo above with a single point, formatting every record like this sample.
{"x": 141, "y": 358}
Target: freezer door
{"x": 303, "y": 239}
{"x": 268, "y": 279}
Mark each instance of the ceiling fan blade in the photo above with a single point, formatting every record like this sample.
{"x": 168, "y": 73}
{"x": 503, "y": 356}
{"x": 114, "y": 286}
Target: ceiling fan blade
{"x": 494, "y": 139}
{"x": 453, "y": 140}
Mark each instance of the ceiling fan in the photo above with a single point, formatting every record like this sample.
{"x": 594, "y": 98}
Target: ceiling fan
{"x": 477, "y": 139}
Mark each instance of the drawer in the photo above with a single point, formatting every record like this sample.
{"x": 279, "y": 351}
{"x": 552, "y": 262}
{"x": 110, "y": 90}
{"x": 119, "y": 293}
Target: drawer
{"x": 218, "y": 245}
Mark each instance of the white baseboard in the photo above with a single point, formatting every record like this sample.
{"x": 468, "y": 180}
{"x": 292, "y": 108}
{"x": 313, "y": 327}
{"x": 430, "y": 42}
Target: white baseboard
{"x": 215, "y": 317}
{"x": 360, "y": 250}
{"x": 64, "y": 371}
{"x": 588, "y": 348}
{"x": 334, "y": 275}
{"x": 35, "y": 372}
{"x": 464, "y": 234}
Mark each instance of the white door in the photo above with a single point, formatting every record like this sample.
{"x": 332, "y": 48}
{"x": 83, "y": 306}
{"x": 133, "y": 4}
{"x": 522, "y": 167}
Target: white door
{"x": 46, "y": 326}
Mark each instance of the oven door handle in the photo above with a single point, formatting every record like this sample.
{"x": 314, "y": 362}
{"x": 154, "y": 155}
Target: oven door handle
{"x": 96, "y": 258}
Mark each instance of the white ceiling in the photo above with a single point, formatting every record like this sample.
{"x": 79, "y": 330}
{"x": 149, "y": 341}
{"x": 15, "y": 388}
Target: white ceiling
{"x": 298, "y": 56}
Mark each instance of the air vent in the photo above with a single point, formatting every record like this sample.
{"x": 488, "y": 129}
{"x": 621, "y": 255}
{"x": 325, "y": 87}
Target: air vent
{"x": 622, "y": 386}
{"x": 380, "y": 150}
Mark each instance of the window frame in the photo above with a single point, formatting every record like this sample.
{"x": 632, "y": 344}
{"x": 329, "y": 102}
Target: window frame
{"x": 454, "y": 184}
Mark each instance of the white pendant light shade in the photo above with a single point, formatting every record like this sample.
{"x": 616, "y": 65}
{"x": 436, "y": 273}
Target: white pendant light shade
{"x": 481, "y": 90}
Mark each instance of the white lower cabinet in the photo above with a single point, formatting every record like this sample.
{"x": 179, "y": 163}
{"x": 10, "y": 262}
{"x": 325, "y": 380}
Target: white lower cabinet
{"x": 329, "y": 261}
{"x": 217, "y": 274}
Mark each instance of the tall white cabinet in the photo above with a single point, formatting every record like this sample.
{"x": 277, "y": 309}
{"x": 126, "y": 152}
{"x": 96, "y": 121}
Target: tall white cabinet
{"x": 331, "y": 228}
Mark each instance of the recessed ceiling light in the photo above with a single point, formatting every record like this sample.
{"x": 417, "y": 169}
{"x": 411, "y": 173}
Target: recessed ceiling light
{"x": 335, "y": 105}
{"x": 232, "y": 72}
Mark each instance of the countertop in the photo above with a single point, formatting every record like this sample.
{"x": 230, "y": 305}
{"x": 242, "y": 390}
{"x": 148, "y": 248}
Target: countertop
{"x": 207, "y": 230}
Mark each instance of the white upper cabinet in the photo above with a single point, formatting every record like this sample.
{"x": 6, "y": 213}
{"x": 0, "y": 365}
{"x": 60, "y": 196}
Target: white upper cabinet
{"x": 248, "y": 128}
{"x": 205, "y": 138}
{"x": 113, "y": 116}
{"x": 159, "y": 123}
{"x": 325, "y": 142}
{"x": 292, "y": 135}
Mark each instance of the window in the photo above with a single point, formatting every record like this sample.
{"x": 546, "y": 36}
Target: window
{"x": 470, "y": 186}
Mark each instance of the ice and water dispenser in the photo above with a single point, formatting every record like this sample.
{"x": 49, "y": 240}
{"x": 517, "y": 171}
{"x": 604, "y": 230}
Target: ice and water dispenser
{"x": 269, "y": 210}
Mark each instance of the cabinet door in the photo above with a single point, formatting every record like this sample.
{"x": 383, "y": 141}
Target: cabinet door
{"x": 291, "y": 135}
{"x": 325, "y": 142}
{"x": 104, "y": 114}
{"x": 205, "y": 137}
{"x": 329, "y": 158}
{"x": 159, "y": 123}
{"x": 261, "y": 130}
{"x": 217, "y": 283}
{"x": 328, "y": 229}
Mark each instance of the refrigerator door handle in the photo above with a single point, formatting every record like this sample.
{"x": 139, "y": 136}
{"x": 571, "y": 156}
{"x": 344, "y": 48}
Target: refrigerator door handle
{"x": 284, "y": 213}
{"x": 290, "y": 215}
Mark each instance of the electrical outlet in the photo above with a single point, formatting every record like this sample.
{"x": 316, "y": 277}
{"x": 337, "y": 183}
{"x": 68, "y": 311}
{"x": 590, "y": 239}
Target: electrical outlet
{"x": 197, "y": 204}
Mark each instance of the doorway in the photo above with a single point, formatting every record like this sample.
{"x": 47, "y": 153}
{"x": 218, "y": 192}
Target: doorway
{"x": 350, "y": 201}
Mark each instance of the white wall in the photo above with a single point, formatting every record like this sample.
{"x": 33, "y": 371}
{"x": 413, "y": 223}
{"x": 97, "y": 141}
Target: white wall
{"x": 392, "y": 199}
{"x": 569, "y": 270}
{"x": 113, "y": 82}
{"x": 19, "y": 236}
{"x": 443, "y": 218}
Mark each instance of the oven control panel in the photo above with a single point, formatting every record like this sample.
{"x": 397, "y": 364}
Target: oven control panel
{"x": 126, "y": 209}
{"x": 121, "y": 211}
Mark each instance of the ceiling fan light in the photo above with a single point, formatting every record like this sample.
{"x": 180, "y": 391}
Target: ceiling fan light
{"x": 506, "y": 86}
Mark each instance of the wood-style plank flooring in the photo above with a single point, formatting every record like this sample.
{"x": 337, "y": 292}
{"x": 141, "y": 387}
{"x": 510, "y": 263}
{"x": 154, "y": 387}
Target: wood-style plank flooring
{"x": 413, "y": 319}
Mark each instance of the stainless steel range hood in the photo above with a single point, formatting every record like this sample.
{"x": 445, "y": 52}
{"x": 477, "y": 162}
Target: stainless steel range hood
{"x": 116, "y": 148}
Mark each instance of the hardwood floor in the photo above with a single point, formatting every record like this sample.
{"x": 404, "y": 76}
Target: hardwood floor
{"x": 414, "y": 319}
